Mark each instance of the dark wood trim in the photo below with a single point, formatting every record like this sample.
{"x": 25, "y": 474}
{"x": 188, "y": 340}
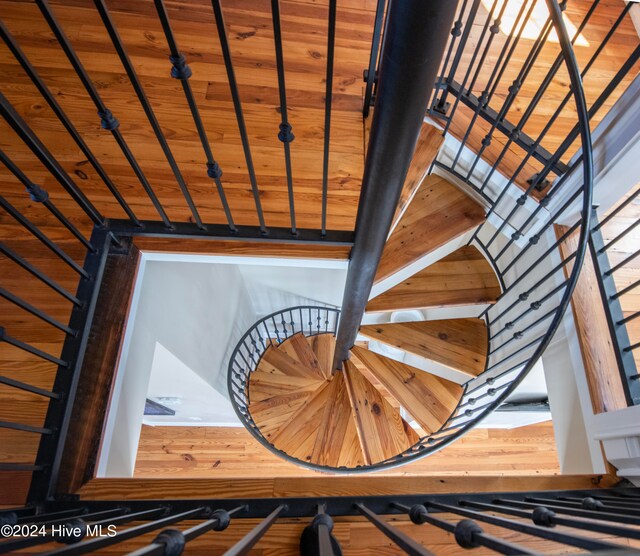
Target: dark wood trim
{"x": 96, "y": 379}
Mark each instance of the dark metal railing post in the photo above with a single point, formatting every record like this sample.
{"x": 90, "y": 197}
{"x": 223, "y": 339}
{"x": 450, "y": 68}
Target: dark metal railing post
{"x": 417, "y": 37}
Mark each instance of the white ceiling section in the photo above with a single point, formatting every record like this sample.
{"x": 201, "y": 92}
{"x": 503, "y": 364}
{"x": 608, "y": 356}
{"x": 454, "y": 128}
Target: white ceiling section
{"x": 188, "y": 312}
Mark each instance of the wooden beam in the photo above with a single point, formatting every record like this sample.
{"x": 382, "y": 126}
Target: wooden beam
{"x": 98, "y": 371}
{"x": 371, "y": 485}
{"x": 598, "y": 355}
{"x": 241, "y": 248}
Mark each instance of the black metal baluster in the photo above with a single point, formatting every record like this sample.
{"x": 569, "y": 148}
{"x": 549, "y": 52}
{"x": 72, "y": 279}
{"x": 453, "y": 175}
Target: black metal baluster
{"x": 573, "y": 511}
{"x": 519, "y": 334}
{"x": 107, "y": 119}
{"x": 97, "y": 543}
{"x": 587, "y": 503}
{"x": 534, "y": 306}
{"x": 170, "y": 538}
{"x": 4, "y": 337}
{"x": 25, "y": 428}
{"x": 146, "y": 105}
{"x": 441, "y": 104}
{"x": 275, "y": 327}
{"x": 535, "y": 181}
{"x": 472, "y": 61}
{"x": 468, "y": 533}
{"x": 496, "y": 75}
{"x": 286, "y": 134}
{"x": 533, "y": 240}
{"x": 35, "y": 311}
{"x": 39, "y": 195}
{"x": 545, "y": 517}
{"x": 25, "y": 133}
{"x": 182, "y": 72}
{"x": 244, "y": 545}
{"x": 370, "y": 73}
{"x": 514, "y": 89}
{"x": 403, "y": 541}
{"x": 515, "y": 353}
{"x": 36, "y": 232}
{"x": 484, "y": 97}
{"x": 316, "y": 537}
{"x": 21, "y": 467}
{"x": 64, "y": 119}
{"x": 525, "y": 295}
{"x": 331, "y": 39}
{"x": 235, "y": 96}
{"x": 27, "y": 387}
{"x": 456, "y": 31}
{"x": 595, "y": 107}
{"x": 541, "y": 532}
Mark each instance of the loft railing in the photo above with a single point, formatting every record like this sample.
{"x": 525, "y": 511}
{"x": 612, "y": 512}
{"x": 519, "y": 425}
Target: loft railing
{"x": 600, "y": 521}
{"x": 93, "y": 231}
{"x": 616, "y": 294}
{"x": 269, "y": 331}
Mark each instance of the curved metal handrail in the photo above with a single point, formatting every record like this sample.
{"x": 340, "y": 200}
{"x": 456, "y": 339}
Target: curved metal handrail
{"x": 467, "y": 415}
{"x": 271, "y": 330}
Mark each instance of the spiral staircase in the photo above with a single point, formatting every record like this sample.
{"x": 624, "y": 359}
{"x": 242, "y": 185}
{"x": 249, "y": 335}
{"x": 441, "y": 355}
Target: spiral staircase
{"x": 378, "y": 411}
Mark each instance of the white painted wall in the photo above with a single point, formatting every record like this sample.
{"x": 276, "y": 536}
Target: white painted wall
{"x": 195, "y": 401}
{"x": 196, "y": 308}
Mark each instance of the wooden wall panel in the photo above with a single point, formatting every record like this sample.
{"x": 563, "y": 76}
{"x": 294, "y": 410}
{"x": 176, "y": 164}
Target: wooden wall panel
{"x": 598, "y": 355}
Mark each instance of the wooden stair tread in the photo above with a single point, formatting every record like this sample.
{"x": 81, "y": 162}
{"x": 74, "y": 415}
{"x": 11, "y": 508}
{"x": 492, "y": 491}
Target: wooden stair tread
{"x": 299, "y": 349}
{"x": 457, "y": 343}
{"x": 438, "y": 213}
{"x": 337, "y": 443}
{"x": 429, "y": 399}
{"x": 351, "y": 454}
{"x": 464, "y": 277}
{"x": 381, "y": 430}
{"x": 272, "y": 414}
{"x": 264, "y": 385}
{"x": 323, "y": 345}
{"x": 277, "y": 359}
{"x": 297, "y": 437}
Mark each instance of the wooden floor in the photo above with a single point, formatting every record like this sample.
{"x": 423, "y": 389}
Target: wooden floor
{"x": 203, "y": 452}
{"x": 597, "y": 78}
